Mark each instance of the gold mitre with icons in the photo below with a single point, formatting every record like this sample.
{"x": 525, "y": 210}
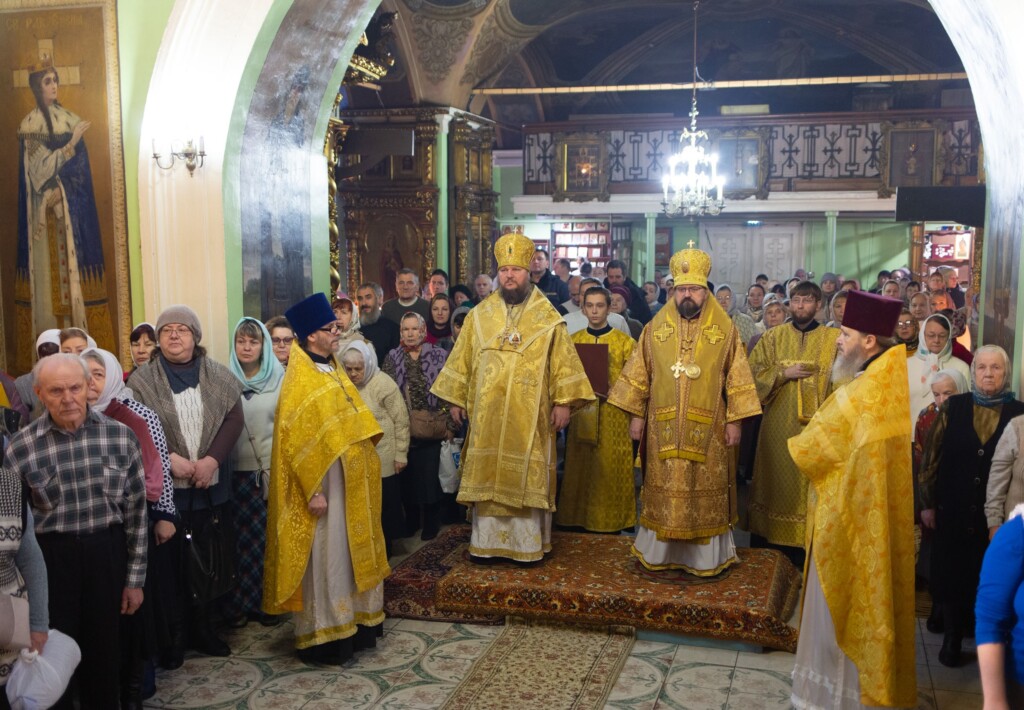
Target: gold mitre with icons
{"x": 690, "y": 267}
{"x": 514, "y": 250}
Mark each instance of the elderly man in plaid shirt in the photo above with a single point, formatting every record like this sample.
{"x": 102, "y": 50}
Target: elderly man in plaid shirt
{"x": 84, "y": 473}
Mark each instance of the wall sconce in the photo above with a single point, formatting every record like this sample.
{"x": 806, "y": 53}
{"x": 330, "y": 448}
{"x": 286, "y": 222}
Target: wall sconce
{"x": 193, "y": 157}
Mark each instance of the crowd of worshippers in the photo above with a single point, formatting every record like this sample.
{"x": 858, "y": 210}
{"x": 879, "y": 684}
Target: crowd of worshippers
{"x": 680, "y": 409}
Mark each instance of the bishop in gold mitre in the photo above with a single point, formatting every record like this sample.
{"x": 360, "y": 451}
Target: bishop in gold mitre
{"x": 515, "y": 376}
{"x": 687, "y": 385}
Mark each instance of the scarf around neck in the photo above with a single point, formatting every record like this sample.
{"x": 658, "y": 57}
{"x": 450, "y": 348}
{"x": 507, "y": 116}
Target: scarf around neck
{"x": 268, "y": 377}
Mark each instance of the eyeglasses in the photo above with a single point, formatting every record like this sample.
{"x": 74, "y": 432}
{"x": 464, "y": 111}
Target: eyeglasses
{"x": 332, "y": 329}
{"x": 282, "y": 341}
{"x": 904, "y": 323}
{"x": 689, "y": 290}
{"x": 178, "y": 332}
{"x": 801, "y": 300}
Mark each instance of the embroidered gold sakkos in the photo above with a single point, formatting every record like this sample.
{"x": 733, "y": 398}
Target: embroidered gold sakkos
{"x": 320, "y": 419}
{"x": 688, "y": 492}
{"x": 508, "y": 391}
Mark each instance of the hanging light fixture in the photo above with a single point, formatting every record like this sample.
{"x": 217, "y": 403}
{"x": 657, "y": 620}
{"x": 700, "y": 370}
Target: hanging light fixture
{"x": 691, "y": 182}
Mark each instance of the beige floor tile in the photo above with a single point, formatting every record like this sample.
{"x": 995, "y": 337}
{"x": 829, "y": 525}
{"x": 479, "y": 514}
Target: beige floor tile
{"x": 700, "y": 654}
{"x": 769, "y": 660}
{"x": 949, "y": 700}
{"x": 965, "y": 679}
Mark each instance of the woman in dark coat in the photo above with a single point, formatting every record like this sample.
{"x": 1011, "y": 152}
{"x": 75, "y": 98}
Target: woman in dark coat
{"x": 954, "y": 477}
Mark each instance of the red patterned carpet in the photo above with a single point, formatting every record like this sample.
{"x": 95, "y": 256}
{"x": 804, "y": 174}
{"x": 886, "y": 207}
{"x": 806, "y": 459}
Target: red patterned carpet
{"x": 594, "y": 579}
{"x": 409, "y": 590}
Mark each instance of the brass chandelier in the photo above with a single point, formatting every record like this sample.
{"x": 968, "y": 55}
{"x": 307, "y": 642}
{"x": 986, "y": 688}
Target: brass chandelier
{"x": 691, "y": 183}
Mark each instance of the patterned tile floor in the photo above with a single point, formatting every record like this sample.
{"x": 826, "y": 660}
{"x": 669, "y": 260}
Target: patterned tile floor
{"x": 417, "y": 665}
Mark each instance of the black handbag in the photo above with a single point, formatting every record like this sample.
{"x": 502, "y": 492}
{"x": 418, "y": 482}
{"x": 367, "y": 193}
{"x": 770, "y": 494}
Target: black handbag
{"x": 208, "y": 555}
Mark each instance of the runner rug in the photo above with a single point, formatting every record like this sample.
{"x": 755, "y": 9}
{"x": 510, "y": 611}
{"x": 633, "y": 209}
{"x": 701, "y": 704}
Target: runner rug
{"x": 594, "y": 579}
{"x": 409, "y": 589}
{"x": 535, "y": 664}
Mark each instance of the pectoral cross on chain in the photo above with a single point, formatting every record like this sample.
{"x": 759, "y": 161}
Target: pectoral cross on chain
{"x": 678, "y": 369}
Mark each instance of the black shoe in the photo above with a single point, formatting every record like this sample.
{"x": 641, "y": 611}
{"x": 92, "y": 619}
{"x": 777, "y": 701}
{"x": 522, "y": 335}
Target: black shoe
{"x": 366, "y": 637}
{"x": 950, "y": 653}
{"x": 935, "y": 623}
{"x": 207, "y": 643}
{"x": 486, "y": 560}
{"x": 173, "y": 656}
{"x": 271, "y": 620}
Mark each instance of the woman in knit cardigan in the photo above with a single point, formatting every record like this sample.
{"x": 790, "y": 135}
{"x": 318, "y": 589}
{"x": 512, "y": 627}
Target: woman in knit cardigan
{"x": 385, "y": 400}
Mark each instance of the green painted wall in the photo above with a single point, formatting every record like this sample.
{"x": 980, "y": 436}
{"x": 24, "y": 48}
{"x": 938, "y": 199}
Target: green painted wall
{"x": 140, "y": 30}
{"x": 863, "y": 248}
{"x": 508, "y": 182}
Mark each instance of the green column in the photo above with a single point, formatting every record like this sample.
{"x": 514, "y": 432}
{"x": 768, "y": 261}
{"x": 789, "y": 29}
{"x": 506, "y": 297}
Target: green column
{"x": 651, "y": 218}
{"x": 442, "y": 168}
{"x": 831, "y": 228}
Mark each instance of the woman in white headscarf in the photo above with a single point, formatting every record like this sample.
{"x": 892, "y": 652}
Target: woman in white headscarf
{"x": 143, "y": 635}
{"x": 934, "y": 353}
{"x": 745, "y": 325}
{"x": 385, "y": 400}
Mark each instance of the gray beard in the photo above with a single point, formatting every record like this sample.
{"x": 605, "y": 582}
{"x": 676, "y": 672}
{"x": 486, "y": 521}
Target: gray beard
{"x": 517, "y": 295}
{"x": 845, "y": 367}
{"x": 370, "y": 319}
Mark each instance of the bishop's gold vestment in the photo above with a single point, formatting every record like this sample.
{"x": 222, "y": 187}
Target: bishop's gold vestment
{"x": 860, "y": 526}
{"x": 778, "y": 497}
{"x": 509, "y": 367}
{"x": 688, "y": 493}
{"x": 320, "y": 420}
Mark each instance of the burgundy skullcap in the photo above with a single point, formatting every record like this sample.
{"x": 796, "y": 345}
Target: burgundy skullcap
{"x": 872, "y": 314}
{"x": 622, "y": 291}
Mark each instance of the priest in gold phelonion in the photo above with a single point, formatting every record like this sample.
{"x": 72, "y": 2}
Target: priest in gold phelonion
{"x": 687, "y": 386}
{"x": 515, "y": 376}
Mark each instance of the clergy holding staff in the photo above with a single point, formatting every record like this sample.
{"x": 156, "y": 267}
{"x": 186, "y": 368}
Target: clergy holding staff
{"x": 515, "y": 376}
{"x": 688, "y": 385}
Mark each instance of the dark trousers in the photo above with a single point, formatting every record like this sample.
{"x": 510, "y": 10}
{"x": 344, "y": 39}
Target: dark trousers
{"x": 85, "y": 575}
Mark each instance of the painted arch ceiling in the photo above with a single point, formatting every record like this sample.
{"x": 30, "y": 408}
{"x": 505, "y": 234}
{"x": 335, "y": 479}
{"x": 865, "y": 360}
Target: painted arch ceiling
{"x": 447, "y": 48}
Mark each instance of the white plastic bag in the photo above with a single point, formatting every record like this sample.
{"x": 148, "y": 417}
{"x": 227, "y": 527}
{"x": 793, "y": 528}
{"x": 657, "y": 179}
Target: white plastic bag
{"x": 449, "y": 472}
{"x": 39, "y": 679}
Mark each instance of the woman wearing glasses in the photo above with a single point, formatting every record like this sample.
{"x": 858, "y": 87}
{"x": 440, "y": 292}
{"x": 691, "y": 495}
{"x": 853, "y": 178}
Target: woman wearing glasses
{"x": 198, "y": 403}
{"x": 934, "y": 353}
{"x": 281, "y": 337}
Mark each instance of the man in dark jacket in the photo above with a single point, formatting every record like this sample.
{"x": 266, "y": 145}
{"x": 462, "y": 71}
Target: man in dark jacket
{"x": 550, "y": 285}
{"x": 616, "y": 276}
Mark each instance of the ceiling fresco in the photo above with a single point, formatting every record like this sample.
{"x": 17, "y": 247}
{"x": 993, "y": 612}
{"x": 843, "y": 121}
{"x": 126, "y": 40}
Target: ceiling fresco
{"x": 448, "y": 48}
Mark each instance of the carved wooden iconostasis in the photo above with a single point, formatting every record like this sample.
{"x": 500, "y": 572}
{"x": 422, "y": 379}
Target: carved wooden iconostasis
{"x": 391, "y": 210}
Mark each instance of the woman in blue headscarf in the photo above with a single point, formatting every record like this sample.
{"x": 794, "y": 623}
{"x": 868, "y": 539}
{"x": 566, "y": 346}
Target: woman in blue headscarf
{"x": 254, "y": 364}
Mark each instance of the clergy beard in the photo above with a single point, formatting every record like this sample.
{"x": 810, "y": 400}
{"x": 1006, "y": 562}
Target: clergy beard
{"x": 846, "y": 365}
{"x": 369, "y": 319}
{"x": 688, "y": 308}
{"x": 515, "y": 296}
{"x": 802, "y": 323}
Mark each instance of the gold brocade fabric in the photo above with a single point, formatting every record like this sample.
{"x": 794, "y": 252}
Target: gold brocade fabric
{"x": 778, "y": 497}
{"x": 861, "y": 525}
{"x": 597, "y": 488}
{"x": 508, "y": 392}
{"x": 705, "y": 341}
{"x": 320, "y": 419}
{"x": 683, "y": 499}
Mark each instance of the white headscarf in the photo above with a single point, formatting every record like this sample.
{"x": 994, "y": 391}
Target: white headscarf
{"x": 113, "y": 387}
{"x": 935, "y": 361}
{"x": 51, "y": 336}
{"x": 959, "y": 381}
{"x": 370, "y": 367}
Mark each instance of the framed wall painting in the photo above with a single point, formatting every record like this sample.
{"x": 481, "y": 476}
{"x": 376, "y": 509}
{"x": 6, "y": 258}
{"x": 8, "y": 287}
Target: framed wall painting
{"x": 581, "y": 167}
{"x": 63, "y": 260}
{"x": 912, "y": 155}
{"x": 743, "y": 162}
